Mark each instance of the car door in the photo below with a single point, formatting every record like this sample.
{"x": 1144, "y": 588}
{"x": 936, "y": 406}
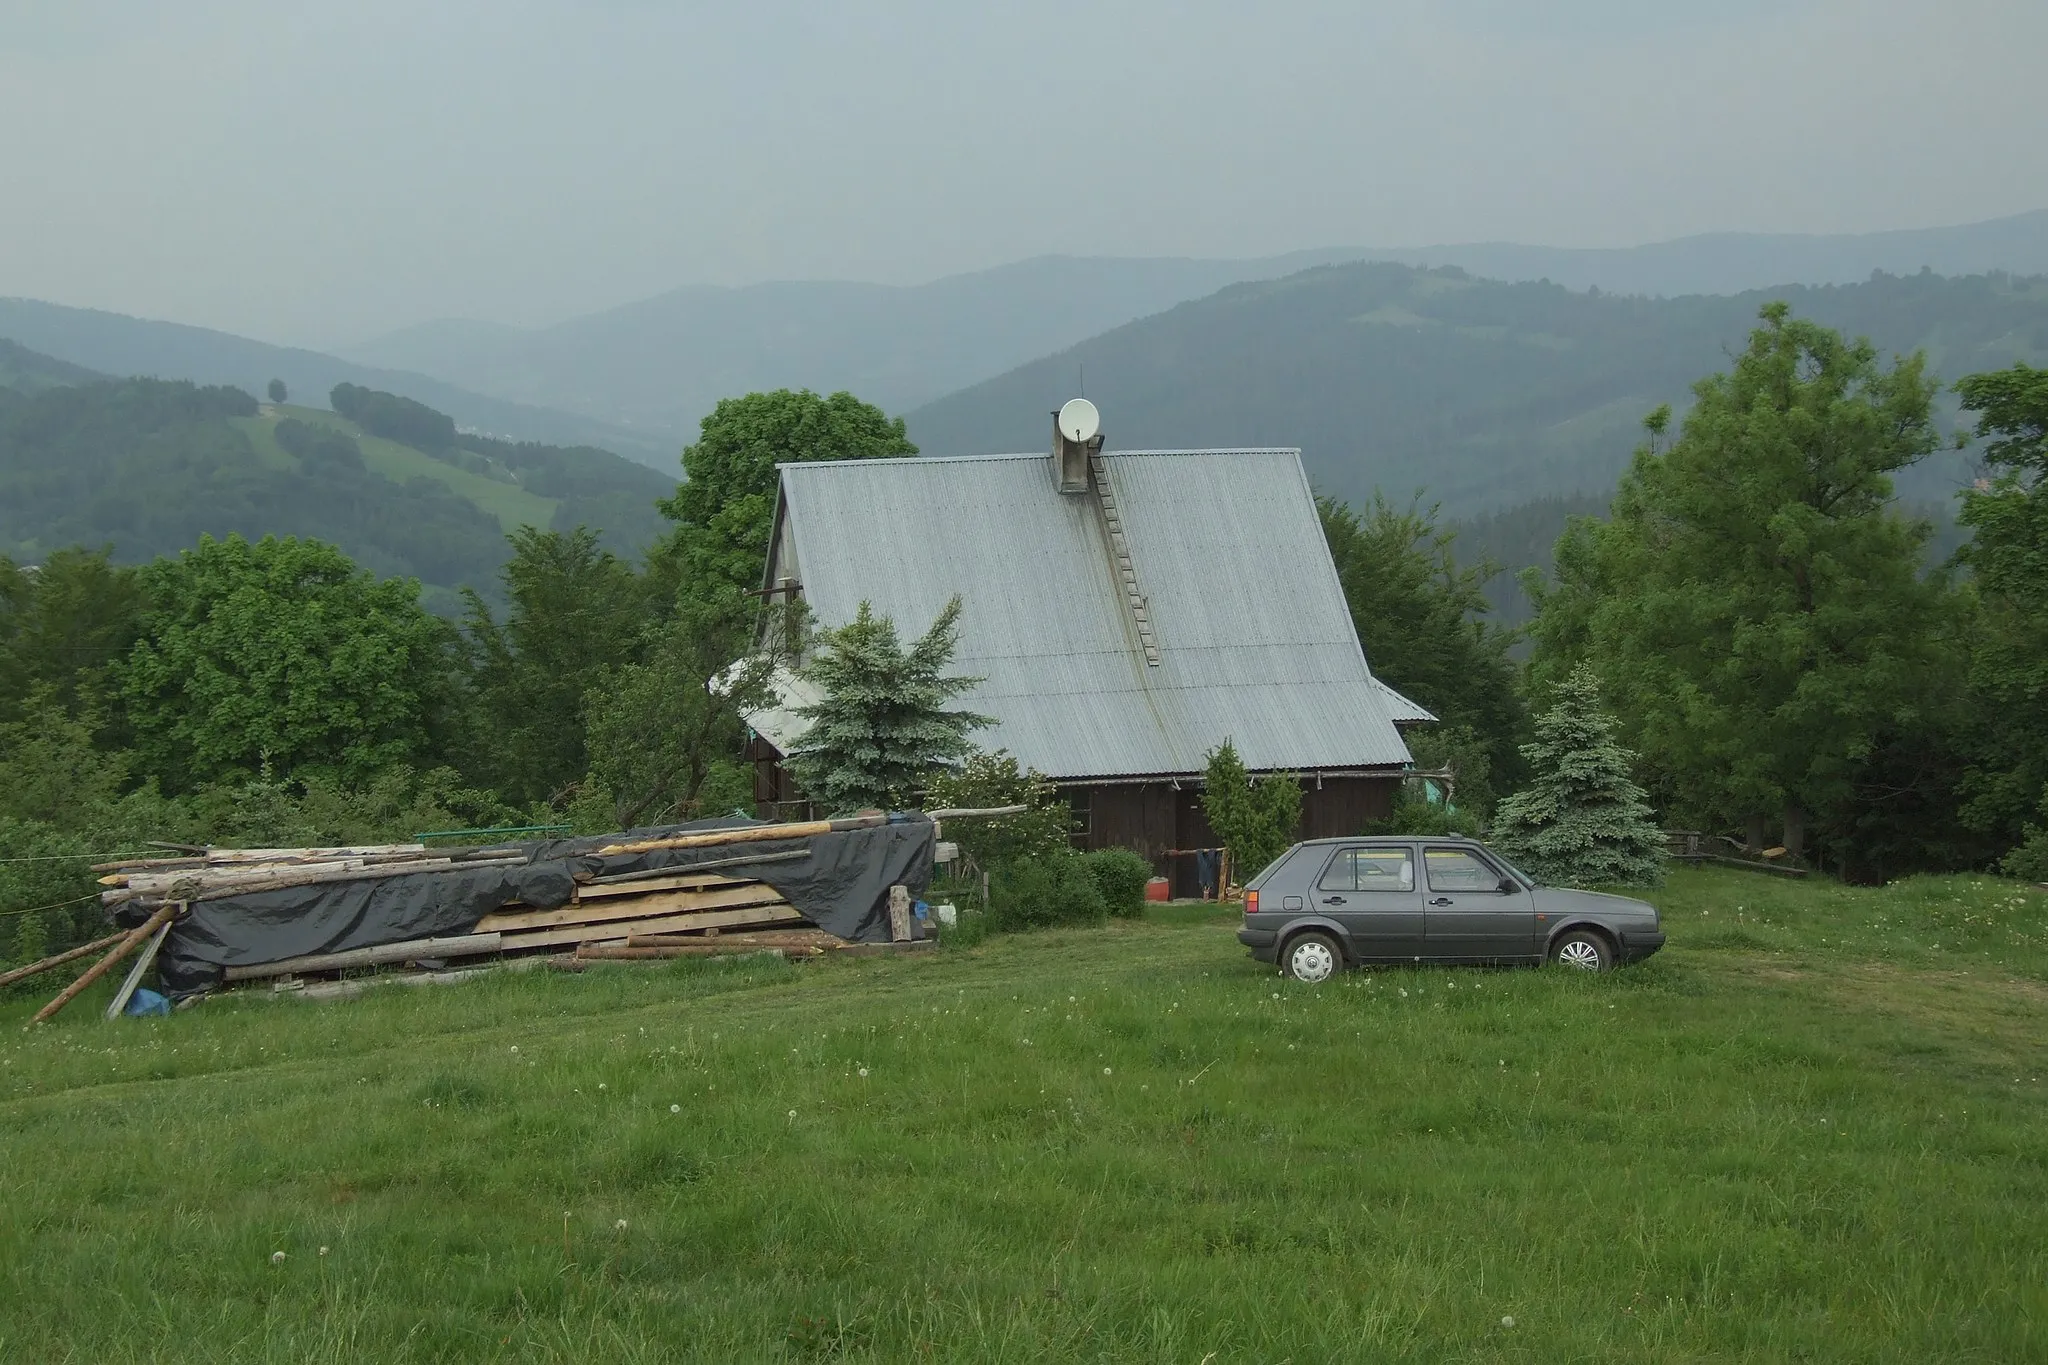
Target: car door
{"x": 1372, "y": 891}
{"x": 1469, "y": 914}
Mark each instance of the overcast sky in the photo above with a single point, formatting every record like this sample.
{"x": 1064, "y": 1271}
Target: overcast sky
{"x": 321, "y": 172}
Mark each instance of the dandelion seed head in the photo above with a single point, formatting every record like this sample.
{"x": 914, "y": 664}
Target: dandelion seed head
{"x": 675, "y": 1109}
{"x": 620, "y": 1225}
{"x": 277, "y": 1258}
{"x": 1507, "y": 1322}
{"x": 863, "y": 1073}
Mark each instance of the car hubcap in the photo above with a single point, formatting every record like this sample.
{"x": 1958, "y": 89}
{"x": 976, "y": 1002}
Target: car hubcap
{"x": 1581, "y": 954}
{"x": 1311, "y": 961}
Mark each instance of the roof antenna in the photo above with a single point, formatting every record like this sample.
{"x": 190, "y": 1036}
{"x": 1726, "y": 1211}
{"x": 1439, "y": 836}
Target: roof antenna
{"x": 1081, "y": 379}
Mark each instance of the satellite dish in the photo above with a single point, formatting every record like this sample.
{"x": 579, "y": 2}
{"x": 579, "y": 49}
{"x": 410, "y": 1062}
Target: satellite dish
{"x": 1078, "y": 420}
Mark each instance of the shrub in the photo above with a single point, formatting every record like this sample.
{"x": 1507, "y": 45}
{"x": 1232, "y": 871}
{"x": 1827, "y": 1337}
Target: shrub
{"x": 990, "y": 781}
{"x": 1412, "y": 815}
{"x": 1255, "y": 820}
{"x": 1121, "y": 876}
{"x": 1038, "y": 893}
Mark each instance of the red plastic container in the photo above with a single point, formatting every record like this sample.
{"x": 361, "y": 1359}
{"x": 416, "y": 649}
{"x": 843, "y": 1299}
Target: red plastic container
{"x": 1156, "y": 890}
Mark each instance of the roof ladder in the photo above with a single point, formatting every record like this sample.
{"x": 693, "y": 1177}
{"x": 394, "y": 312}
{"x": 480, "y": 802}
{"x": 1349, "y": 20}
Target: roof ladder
{"x": 1120, "y": 555}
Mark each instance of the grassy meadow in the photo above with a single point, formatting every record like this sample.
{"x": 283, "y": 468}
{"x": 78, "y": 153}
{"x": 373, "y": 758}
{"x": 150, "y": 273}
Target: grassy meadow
{"x": 1814, "y": 1128}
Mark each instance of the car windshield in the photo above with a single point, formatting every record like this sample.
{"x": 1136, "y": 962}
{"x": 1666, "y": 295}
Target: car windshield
{"x": 1513, "y": 871}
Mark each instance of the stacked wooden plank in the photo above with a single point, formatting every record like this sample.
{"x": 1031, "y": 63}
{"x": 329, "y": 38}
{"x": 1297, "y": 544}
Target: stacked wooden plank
{"x": 699, "y": 910}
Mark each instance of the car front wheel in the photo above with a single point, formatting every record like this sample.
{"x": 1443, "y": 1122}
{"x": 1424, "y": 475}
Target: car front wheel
{"x": 1311, "y": 958}
{"x": 1583, "y": 949}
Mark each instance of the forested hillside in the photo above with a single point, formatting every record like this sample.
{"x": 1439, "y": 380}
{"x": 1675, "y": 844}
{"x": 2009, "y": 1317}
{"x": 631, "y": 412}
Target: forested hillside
{"x": 147, "y": 466}
{"x": 115, "y": 344}
{"x": 1484, "y": 394}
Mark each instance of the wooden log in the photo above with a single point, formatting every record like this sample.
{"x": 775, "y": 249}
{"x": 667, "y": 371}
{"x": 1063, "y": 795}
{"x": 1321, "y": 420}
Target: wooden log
{"x": 56, "y": 960}
{"x": 633, "y": 907}
{"x": 716, "y": 948}
{"x": 899, "y": 913}
{"x": 772, "y": 938}
{"x": 128, "y": 944}
{"x": 680, "y": 881}
{"x": 950, "y": 814}
{"x": 284, "y": 880}
{"x": 411, "y": 950}
{"x": 135, "y": 973}
{"x": 766, "y": 916}
{"x": 623, "y": 878}
{"x": 748, "y": 834}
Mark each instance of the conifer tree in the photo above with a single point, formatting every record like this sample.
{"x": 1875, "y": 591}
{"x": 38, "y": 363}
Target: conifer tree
{"x": 1582, "y": 819}
{"x": 882, "y": 726}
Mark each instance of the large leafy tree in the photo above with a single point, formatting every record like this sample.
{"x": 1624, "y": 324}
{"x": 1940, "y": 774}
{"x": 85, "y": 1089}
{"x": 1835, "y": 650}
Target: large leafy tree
{"x": 1582, "y": 820}
{"x": 2008, "y": 513}
{"x": 724, "y": 508}
{"x": 1757, "y": 605}
{"x": 883, "y": 724}
{"x": 1422, "y": 620}
{"x": 578, "y": 613}
{"x": 280, "y": 654}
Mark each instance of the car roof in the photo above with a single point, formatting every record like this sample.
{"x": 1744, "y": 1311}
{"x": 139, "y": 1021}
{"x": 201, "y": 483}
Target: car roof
{"x": 1371, "y": 839}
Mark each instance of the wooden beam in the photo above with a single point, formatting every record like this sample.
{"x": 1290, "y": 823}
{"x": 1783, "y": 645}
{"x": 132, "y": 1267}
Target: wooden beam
{"x": 411, "y": 950}
{"x": 763, "y": 916}
{"x": 128, "y": 944}
{"x": 134, "y": 977}
{"x": 56, "y": 960}
{"x": 748, "y": 834}
{"x": 631, "y": 907}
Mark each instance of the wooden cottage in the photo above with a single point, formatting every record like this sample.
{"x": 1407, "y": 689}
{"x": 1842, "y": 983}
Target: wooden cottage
{"x": 1127, "y": 614}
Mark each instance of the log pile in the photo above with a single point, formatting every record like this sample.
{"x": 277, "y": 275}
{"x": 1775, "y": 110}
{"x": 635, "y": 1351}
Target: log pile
{"x": 663, "y": 912}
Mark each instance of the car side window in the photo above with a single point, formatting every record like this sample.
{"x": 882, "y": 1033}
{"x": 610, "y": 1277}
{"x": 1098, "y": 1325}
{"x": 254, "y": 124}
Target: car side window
{"x": 1370, "y": 869}
{"x": 1455, "y": 869}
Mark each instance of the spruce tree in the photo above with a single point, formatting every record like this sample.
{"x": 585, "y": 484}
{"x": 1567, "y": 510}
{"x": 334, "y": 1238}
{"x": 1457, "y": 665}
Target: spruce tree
{"x": 1582, "y": 819}
{"x": 882, "y": 726}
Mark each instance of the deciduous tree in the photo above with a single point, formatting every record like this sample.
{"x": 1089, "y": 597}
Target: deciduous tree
{"x": 724, "y": 509}
{"x": 1756, "y": 604}
{"x": 284, "y": 654}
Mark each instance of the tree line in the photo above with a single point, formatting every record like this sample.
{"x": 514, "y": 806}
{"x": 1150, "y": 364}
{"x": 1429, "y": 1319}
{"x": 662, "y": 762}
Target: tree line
{"x": 1753, "y": 626}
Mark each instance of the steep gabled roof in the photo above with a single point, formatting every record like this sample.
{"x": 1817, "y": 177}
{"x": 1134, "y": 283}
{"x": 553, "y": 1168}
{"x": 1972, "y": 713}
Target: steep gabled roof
{"x": 1255, "y": 641}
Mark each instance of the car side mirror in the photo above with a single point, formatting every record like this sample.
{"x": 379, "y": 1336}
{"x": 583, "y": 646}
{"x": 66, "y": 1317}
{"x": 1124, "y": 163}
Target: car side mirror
{"x": 1509, "y": 886}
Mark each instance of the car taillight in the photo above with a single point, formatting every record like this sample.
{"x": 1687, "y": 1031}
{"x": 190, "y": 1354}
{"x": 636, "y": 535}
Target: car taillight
{"x": 1251, "y": 902}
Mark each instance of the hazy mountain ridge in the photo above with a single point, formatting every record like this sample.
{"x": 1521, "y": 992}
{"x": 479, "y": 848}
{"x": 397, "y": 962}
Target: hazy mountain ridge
{"x": 115, "y": 344}
{"x": 660, "y": 364}
{"x": 1481, "y": 393}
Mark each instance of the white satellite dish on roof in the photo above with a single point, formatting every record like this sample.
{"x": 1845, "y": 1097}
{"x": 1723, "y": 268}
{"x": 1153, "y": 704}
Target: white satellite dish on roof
{"x": 1078, "y": 420}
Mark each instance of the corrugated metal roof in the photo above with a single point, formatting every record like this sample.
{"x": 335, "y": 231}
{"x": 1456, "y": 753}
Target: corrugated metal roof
{"x": 1255, "y": 641}
{"x": 1401, "y": 710}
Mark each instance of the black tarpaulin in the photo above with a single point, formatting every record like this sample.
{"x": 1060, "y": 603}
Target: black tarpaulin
{"x": 840, "y": 881}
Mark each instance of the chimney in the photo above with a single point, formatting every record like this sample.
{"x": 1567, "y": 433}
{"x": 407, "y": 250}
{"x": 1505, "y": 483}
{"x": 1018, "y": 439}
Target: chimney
{"x": 1076, "y": 435}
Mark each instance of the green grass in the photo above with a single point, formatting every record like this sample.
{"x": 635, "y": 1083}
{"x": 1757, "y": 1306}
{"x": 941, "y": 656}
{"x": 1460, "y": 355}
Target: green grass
{"x": 512, "y": 505}
{"x": 1813, "y": 1129}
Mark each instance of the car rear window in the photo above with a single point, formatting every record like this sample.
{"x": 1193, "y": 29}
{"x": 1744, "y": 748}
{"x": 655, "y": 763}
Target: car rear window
{"x": 1370, "y": 869}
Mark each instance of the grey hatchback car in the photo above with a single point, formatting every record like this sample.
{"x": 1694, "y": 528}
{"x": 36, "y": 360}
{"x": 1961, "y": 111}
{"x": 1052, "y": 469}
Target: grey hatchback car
{"x": 1331, "y": 903}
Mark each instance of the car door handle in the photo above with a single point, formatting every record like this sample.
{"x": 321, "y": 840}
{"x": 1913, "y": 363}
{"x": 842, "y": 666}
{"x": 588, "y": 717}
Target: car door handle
{"x": 1333, "y": 900}
{"x": 1441, "y": 900}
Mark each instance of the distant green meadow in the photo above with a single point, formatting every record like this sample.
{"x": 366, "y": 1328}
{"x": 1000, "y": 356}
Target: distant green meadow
{"x": 1814, "y": 1128}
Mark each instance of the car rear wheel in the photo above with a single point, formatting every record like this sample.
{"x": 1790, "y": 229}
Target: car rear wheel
{"x": 1583, "y": 949}
{"x": 1311, "y": 958}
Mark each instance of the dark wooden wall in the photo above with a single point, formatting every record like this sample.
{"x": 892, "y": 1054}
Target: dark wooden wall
{"x": 1154, "y": 818}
